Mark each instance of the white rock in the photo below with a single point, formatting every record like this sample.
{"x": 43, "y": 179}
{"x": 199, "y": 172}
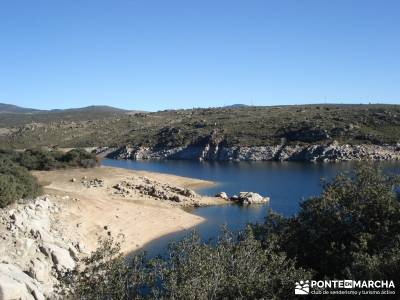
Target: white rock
{"x": 222, "y": 195}
{"x": 41, "y": 234}
{"x": 18, "y": 218}
{"x": 15, "y": 284}
{"x": 61, "y": 257}
{"x": 25, "y": 246}
{"x": 252, "y": 198}
{"x": 31, "y": 244}
{"x": 40, "y": 271}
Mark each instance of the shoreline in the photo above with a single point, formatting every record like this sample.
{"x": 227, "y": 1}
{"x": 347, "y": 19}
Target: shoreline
{"x": 331, "y": 152}
{"x": 89, "y": 213}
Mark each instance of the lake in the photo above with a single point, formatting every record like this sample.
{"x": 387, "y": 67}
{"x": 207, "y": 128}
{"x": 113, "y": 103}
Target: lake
{"x": 286, "y": 183}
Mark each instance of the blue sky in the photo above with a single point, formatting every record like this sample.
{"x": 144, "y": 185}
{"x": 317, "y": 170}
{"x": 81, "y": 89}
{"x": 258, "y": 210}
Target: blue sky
{"x": 151, "y": 55}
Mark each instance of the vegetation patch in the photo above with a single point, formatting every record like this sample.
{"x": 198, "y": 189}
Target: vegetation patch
{"x": 16, "y": 182}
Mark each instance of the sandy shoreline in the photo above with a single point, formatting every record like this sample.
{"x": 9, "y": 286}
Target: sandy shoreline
{"x": 91, "y": 212}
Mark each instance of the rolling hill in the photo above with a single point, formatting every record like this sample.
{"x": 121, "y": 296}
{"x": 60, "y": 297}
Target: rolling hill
{"x": 14, "y": 109}
{"x": 243, "y": 126}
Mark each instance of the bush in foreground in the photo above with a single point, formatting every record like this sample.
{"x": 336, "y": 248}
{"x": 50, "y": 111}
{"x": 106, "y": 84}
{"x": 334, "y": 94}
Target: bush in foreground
{"x": 191, "y": 270}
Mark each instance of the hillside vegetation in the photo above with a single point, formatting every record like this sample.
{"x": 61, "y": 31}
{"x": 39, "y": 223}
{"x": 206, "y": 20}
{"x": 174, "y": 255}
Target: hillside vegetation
{"x": 245, "y": 126}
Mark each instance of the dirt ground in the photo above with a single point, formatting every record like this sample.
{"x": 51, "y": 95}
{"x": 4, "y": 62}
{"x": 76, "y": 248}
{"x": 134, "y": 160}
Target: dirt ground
{"x": 91, "y": 212}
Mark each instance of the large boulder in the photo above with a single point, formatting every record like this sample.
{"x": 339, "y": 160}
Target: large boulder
{"x": 61, "y": 257}
{"x": 40, "y": 270}
{"x": 252, "y": 198}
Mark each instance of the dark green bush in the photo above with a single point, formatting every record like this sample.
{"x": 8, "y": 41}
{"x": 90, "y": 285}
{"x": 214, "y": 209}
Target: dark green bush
{"x": 79, "y": 158}
{"x": 106, "y": 274}
{"x": 39, "y": 159}
{"x": 34, "y": 159}
{"x": 8, "y": 190}
{"x": 16, "y": 182}
{"x": 233, "y": 268}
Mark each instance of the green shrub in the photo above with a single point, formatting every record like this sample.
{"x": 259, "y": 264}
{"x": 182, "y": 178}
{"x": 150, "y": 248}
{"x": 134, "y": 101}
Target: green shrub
{"x": 16, "y": 182}
{"x": 193, "y": 270}
{"x": 33, "y": 159}
{"x": 38, "y": 159}
{"x": 106, "y": 274}
{"x": 79, "y": 158}
{"x": 236, "y": 266}
{"x": 8, "y": 190}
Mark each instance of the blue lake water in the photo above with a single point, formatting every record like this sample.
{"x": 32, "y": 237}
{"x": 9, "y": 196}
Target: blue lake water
{"x": 286, "y": 183}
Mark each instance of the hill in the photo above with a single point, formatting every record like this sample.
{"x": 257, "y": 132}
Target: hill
{"x": 236, "y": 106}
{"x": 15, "y": 116}
{"x": 91, "y": 109}
{"x": 244, "y": 126}
{"x": 9, "y": 108}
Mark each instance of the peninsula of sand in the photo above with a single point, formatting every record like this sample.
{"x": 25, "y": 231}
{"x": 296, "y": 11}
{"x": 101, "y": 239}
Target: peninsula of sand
{"x": 135, "y": 206}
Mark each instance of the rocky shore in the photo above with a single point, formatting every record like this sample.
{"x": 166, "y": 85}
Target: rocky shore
{"x": 332, "y": 152}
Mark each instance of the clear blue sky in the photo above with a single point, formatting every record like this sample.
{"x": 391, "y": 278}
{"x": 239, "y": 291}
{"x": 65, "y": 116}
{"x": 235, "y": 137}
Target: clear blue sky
{"x": 151, "y": 55}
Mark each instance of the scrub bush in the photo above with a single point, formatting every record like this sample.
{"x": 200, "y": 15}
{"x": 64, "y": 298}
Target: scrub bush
{"x": 15, "y": 183}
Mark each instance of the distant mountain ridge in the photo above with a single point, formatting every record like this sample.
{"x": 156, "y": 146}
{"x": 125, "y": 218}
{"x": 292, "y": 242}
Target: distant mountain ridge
{"x": 234, "y": 106}
{"x": 10, "y": 108}
{"x": 14, "y": 109}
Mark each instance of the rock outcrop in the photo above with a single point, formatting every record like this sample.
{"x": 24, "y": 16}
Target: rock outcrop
{"x": 252, "y": 198}
{"x": 244, "y": 198}
{"x": 222, "y": 195}
{"x": 218, "y": 151}
{"x": 33, "y": 250}
{"x": 160, "y": 191}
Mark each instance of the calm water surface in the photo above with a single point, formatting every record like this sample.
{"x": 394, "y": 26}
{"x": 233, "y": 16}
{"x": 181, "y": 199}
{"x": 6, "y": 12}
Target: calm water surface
{"x": 286, "y": 183}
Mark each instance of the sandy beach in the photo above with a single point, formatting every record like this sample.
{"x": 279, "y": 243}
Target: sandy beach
{"x": 91, "y": 212}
